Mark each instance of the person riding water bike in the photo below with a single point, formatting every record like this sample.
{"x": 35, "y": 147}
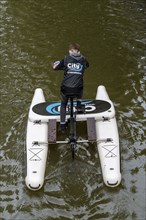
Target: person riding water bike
{"x": 74, "y": 65}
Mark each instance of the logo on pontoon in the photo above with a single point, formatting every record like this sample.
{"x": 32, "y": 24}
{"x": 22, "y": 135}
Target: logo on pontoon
{"x": 54, "y": 108}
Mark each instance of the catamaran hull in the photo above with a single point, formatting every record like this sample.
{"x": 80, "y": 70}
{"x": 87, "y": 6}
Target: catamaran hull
{"x": 36, "y": 154}
{"x": 109, "y": 151}
{"x": 107, "y": 139}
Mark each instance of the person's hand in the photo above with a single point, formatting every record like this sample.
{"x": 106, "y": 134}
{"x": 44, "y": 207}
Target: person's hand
{"x": 55, "y": 64}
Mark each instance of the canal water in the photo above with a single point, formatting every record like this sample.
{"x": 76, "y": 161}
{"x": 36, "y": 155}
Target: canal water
{"x": 112, "y": 35}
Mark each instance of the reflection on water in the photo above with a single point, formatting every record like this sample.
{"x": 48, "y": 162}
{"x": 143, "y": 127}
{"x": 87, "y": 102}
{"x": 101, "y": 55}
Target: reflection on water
{"x": 111, "y": 34}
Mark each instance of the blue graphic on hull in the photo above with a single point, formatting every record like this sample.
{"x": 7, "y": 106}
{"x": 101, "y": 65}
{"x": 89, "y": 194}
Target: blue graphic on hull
{"x": 54, "y": 108}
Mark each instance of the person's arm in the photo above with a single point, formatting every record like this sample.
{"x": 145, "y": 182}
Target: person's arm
{"x": 58, "y": 65}
{"x": 86, "y": 63}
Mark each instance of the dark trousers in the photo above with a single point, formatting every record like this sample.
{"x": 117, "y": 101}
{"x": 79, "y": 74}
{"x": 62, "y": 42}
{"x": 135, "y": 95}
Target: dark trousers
{"x": 64, "y": 100}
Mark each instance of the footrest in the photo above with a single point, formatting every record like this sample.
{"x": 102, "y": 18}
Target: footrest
{"x": 52, "y": 131}
{"x": 91, "y": 129}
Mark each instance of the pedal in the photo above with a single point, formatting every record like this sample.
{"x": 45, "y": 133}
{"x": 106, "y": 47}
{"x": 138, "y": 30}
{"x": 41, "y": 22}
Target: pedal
{"x": 81, "y": 110}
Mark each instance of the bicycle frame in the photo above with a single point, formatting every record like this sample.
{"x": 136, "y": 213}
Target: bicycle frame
{"x": 72, "y": 135}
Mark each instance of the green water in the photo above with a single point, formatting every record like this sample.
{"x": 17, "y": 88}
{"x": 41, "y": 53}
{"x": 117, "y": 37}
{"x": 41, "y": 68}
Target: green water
{"x": 112, "y": 35}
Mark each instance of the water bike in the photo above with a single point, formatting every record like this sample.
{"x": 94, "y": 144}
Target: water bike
{"x": 99, "y": 115}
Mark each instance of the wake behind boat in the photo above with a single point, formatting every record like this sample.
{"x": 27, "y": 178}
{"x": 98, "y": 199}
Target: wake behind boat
{"x": 42, "y": 131}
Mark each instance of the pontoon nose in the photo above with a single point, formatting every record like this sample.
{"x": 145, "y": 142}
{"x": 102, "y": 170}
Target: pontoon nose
{"x": 34, "y": 183}
{"x": 112, "y": 180}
